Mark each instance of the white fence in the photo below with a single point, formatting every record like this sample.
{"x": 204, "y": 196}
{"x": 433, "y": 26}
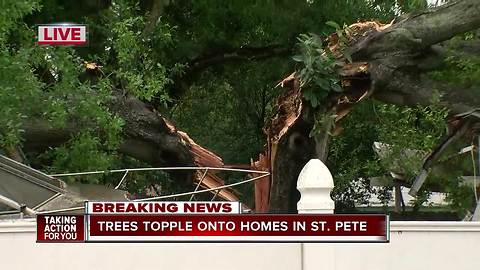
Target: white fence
{"x": 413, "y": 245}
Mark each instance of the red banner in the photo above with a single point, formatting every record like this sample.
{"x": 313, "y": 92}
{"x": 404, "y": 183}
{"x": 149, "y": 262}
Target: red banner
{"x": 238, "y": 228}
{"x": 60, "y": 228}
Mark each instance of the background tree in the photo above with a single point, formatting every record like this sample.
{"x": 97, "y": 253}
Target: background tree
{"x": 210, "y": 68}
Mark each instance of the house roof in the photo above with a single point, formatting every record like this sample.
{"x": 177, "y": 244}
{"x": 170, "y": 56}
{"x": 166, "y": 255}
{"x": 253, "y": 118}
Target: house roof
{"x": 23, "y": 186}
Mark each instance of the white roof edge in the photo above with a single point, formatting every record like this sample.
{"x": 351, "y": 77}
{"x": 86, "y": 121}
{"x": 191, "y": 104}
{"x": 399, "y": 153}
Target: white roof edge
{"x": 18, "y": 225}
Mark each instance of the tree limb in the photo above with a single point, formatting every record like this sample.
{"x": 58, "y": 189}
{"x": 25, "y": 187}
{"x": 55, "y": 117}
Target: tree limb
{"x": 245, "y": 53}
{"x": 147, "y": 136}
{"x": 416, "y": 32}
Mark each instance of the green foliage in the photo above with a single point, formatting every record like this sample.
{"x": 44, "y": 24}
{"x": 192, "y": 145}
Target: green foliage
{"x": 140, "y": 69}
{"x": 18, "y": 86}
{"x": 409, "y": 137}
{"x": 409, "y": 134}
{"x": 214, "y": 106}
{"x": 67, "y": 99}
{"x": 225, "y": 106}
{"x": 461, "y": 198}
{"x": 81, "y": 153}
{"x": 43, "y": 83}
{"x": 318, "y": 75}
{"x": 413, "y": 5}
{"x": 460, "y": 68}
{"x": 352, "y": 159}
{"x": 462, "y": 71}
{"x": 11, "y": 14}
{"x": 225, "y": 111}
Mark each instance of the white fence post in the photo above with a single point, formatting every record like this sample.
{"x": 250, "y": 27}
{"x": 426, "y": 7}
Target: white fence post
{"x": 315, "y": 183}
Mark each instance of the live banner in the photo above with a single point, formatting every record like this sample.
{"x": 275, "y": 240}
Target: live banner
{"x": 204, "y": 222}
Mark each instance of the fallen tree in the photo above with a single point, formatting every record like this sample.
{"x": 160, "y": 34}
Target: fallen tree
{"x": 388, "y": 62}
{"x": 147, "y": 136}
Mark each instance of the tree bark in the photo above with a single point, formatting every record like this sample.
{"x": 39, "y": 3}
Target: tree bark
{"x": 400, "y": 54}
{"x": 396, "y": 58}
{"x": 147, "y": 136}
{"x": 393, "y": 60}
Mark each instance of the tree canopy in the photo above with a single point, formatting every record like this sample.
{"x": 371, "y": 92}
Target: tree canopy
{"x": 402, "y": 73}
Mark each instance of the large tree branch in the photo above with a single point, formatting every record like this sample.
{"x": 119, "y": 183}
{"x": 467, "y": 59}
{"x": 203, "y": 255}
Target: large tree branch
{"x": 405, "y": 80}
{"x": 416, "y": 32}
{"x": 242, "y": 54}
{"x": 245, "y": 53}
{"x": 147, "y": 136}
{"x": 395, "y": 57}
{"x": 400, "y": 55}
{"x": 409, "y": 89}
{"x": 390, "y": 61}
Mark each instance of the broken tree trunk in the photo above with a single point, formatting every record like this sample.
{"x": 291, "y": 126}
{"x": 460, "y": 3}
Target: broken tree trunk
{"x": 291, "y": 144}
{"x": 389, "y": 63}
{"x": 289, "y": 147}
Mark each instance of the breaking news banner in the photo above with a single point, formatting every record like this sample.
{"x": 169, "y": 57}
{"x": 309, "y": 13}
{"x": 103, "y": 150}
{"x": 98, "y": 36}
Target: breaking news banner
{"x": 62, "y": 34}
{"x": 163, "y": 207}
{"x": 204, "y": 222}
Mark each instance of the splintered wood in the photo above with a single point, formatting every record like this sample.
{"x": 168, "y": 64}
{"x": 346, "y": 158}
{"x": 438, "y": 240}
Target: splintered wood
{"x": 262, "y": 185}
{"x": 356, "y": 84}
{"x": 360, "y": 30}
{"x": 288, "y": 110}
{"x": 355, "y": 81}
{"x": 205, "y": 158}
{"x": 288, "y": 107}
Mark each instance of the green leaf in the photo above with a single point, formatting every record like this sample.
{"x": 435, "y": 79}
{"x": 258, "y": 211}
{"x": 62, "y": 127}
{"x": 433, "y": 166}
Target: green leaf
{"x": 322, "y": 83}
{"x": 310, "y": 96}
{"x": 298, "y": 58}
{"x": 333, "y": 24}
{"x": 337, "y": 88}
